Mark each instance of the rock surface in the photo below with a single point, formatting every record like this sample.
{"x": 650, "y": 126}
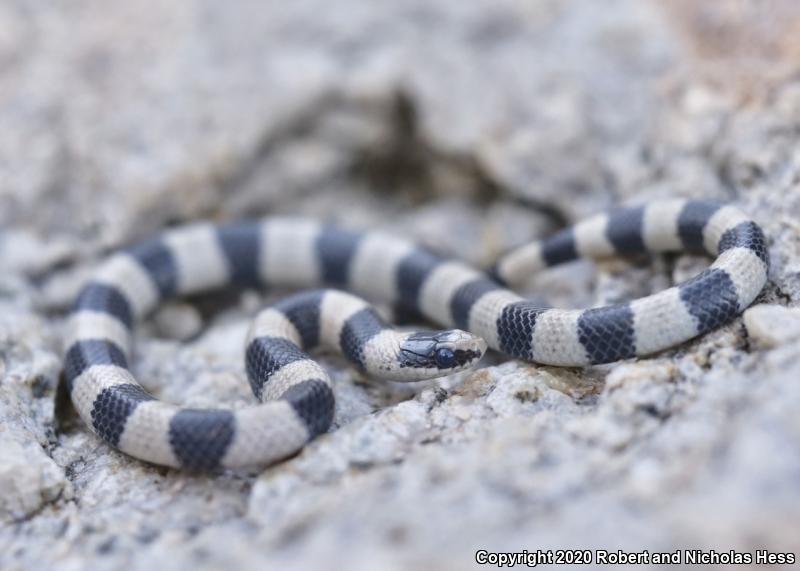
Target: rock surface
{"x": 437, "y": 120}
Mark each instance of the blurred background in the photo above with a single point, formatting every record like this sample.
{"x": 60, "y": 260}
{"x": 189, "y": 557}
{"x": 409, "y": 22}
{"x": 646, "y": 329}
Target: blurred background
{"x": 472, "y": 127}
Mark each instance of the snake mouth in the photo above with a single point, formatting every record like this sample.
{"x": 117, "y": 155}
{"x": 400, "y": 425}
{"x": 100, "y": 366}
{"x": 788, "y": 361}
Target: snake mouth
{"x": 464, "y": 357}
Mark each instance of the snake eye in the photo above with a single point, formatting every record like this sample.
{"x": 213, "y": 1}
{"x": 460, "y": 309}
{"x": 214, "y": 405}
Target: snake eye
{"x": 445, "y": 358}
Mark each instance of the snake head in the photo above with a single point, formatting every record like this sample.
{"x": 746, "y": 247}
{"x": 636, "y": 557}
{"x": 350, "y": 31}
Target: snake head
{"x": 430, "y": 354}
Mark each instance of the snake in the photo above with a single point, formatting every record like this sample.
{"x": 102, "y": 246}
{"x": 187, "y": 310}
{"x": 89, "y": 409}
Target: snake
{"x": 294, "y": 394}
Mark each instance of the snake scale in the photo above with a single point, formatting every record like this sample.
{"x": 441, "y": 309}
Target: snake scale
{"x": 296, "y": 400}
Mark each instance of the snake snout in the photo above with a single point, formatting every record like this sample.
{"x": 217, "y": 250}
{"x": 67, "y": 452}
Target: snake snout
{"x": 458, "y": 349}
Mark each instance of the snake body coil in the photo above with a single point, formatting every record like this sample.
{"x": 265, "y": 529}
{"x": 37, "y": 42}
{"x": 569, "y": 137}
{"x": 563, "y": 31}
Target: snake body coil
{"x": 298, "y": 402}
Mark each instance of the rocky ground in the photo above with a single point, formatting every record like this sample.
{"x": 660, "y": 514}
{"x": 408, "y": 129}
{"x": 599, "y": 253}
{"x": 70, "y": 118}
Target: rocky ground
{"x": 484, "y": 123}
